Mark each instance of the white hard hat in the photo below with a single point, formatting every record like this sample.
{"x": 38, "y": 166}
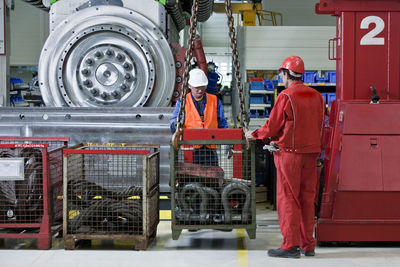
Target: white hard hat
{"x": 197, "y": 78}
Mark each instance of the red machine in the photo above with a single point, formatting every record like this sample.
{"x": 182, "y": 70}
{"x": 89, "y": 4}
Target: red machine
{"x": 361, "y": 197}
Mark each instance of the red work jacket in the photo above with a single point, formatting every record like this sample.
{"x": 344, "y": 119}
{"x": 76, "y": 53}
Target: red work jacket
{"x": 193, "y": 119}
{"x": 296, "y": 121}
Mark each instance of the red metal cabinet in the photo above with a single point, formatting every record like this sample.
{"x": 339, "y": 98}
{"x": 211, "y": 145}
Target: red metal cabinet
{"x": 362, "y": 144}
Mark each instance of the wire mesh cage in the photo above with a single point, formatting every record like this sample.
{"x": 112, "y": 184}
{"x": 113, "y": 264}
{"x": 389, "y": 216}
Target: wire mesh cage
{"x": 111, "y": 191}
{"x": 31, "y": 187}
{"x": 212, "y": 182}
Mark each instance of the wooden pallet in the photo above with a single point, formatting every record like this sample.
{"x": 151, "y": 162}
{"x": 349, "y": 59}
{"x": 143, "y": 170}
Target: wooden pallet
{"x": 142, "y": 242}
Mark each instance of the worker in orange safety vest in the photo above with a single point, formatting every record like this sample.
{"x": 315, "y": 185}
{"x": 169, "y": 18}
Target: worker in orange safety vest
{"x": 296, "y": 125}
{"x": 202, "y": 111}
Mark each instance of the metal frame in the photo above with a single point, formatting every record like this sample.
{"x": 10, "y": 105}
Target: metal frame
{"x": 43, "y": 229}
{"x": 150, "y": 193}
{"x": 221, "y": 137}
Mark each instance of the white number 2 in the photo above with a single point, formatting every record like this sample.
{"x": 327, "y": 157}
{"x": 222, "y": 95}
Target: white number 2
{"x": 369, "y": 38}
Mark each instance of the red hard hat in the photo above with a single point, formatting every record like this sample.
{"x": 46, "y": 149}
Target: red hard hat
{"x": 293, "y": 63}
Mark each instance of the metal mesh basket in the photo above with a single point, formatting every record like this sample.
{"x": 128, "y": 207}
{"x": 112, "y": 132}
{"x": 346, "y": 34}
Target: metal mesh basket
{"x": 109, "y": 191}
{"x": 31, "y": 187}
{"x": 212, "y": 178}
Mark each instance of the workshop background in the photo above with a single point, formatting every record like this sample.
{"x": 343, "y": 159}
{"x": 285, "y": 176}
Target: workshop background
{"x": 88, "y": 173}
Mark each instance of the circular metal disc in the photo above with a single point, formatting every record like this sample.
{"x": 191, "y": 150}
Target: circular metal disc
{"x": 106, "y": 56}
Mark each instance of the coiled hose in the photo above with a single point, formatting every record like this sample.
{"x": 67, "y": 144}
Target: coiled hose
{"x": 38, "y": 4}
{"x": 103, "y": 210}
{"x": 205, "y": 9}
{"x": 107, "y": 215}
{"x": 22, "y": 201}
{"x": 175, "y": 10}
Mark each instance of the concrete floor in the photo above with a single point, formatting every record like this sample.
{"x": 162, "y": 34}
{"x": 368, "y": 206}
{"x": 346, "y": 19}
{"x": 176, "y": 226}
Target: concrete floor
{"x": 202, "y": 248}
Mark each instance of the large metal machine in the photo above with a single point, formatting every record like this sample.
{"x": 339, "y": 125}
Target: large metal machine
{"x": 108, "y": 73}
{"x": 362, "y": 154}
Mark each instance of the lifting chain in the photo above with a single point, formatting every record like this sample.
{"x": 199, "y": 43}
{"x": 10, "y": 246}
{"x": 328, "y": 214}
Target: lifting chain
{"x": 188, "y": 58}
{"x": 244, "y": 118}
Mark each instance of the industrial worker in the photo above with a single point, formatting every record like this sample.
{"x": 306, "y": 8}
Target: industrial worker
{"x": 202, "y": 110}
{"x": 295, "y": 124}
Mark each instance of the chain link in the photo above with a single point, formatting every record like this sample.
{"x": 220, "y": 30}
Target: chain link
{"x": 188, "y": 58}
{"x": 244, "y": 117}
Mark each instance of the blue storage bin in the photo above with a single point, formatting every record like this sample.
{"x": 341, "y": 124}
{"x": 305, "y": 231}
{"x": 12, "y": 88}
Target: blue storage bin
{"x": 274, "y": 82}
{"x": 280, "y": 79}
{"x": 324, "y": 96}
{"x": 331, "y": 97}
{"x": 322, "y": 79}
{"x": 309, "y": 77}
{"x": 269, "y": 85}
{"x": 256, "y": 99}
{"x": 257, "y": 86}
{"x": 253, "y": 113}
{"x": 332, "y": 76}
{"x": 267, "y": 99}
{"x": 16, "y": 80}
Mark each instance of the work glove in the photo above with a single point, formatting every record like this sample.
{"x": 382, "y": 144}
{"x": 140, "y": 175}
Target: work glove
{"x": 272, "y": 147}
{"x": 249, "y": 135}
{"x": 228, "y": 150}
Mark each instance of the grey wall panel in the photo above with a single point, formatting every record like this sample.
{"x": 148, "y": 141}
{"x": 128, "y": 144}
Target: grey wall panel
{"x": 214, "y": 32}
{"x": 265, "y": 47}
{"x": 29, "y": 30}
{"x": 298, "y": 13}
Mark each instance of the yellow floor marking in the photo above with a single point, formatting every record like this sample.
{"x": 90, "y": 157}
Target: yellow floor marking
{"x": 96, "y": 243}
{"x": 165, "y": 215}
{"x": 243, "y": 259}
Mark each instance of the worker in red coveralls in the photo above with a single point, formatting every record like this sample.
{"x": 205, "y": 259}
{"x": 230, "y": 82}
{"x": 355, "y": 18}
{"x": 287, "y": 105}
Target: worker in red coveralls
{"x": 296, "y": 123}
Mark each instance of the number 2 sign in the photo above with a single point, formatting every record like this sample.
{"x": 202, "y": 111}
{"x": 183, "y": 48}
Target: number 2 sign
{"x": 370, "y": 38}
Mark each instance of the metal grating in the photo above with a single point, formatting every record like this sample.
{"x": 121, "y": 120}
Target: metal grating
{"x": 213, "y": 185}
{"x": 21, "y": 200}
{"x": 110, "y": 190}
{"x": 31, "y": 187}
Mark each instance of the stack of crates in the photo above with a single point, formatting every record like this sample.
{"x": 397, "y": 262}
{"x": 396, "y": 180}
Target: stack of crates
{"x": 332, "y": 76}
{"x": 256, "y": 84}
{"x": 314, "y": 77}
{"x": 330, "y": 97}
{"x": 31, "y": 188}
{"x": 269, "y": 85}
{"x": 213, "y": 182}
{"x": 309, "y": 77}
{"x": 111, "y": 192}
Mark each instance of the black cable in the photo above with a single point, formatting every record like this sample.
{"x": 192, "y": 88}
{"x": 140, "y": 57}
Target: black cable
{"x": 103, "y": 210}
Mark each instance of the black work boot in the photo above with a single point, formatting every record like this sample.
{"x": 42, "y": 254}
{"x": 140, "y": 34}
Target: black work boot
{"x": 307, "y": 252}
{"x": 281, "y": 253}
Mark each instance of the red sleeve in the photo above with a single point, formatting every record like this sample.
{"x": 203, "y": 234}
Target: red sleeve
{"x": 274, "y": 125}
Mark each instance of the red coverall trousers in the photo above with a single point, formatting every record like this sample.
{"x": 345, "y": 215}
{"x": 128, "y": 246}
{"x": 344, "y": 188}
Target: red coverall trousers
{"x": 296, "y": 189}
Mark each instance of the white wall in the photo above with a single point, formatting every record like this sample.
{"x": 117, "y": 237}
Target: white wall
{"x": 299, "y": 12}
{"x": 214, "y": 32}
{"x": 265, "y": 47}
{"x": 29, "y": 30}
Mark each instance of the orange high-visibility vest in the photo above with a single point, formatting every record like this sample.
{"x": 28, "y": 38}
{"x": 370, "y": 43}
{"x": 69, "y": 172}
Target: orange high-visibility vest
{"x": 193, "y": 119}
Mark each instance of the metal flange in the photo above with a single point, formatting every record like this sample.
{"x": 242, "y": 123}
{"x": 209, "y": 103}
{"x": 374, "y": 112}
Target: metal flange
{"x": 106, "y": 56}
